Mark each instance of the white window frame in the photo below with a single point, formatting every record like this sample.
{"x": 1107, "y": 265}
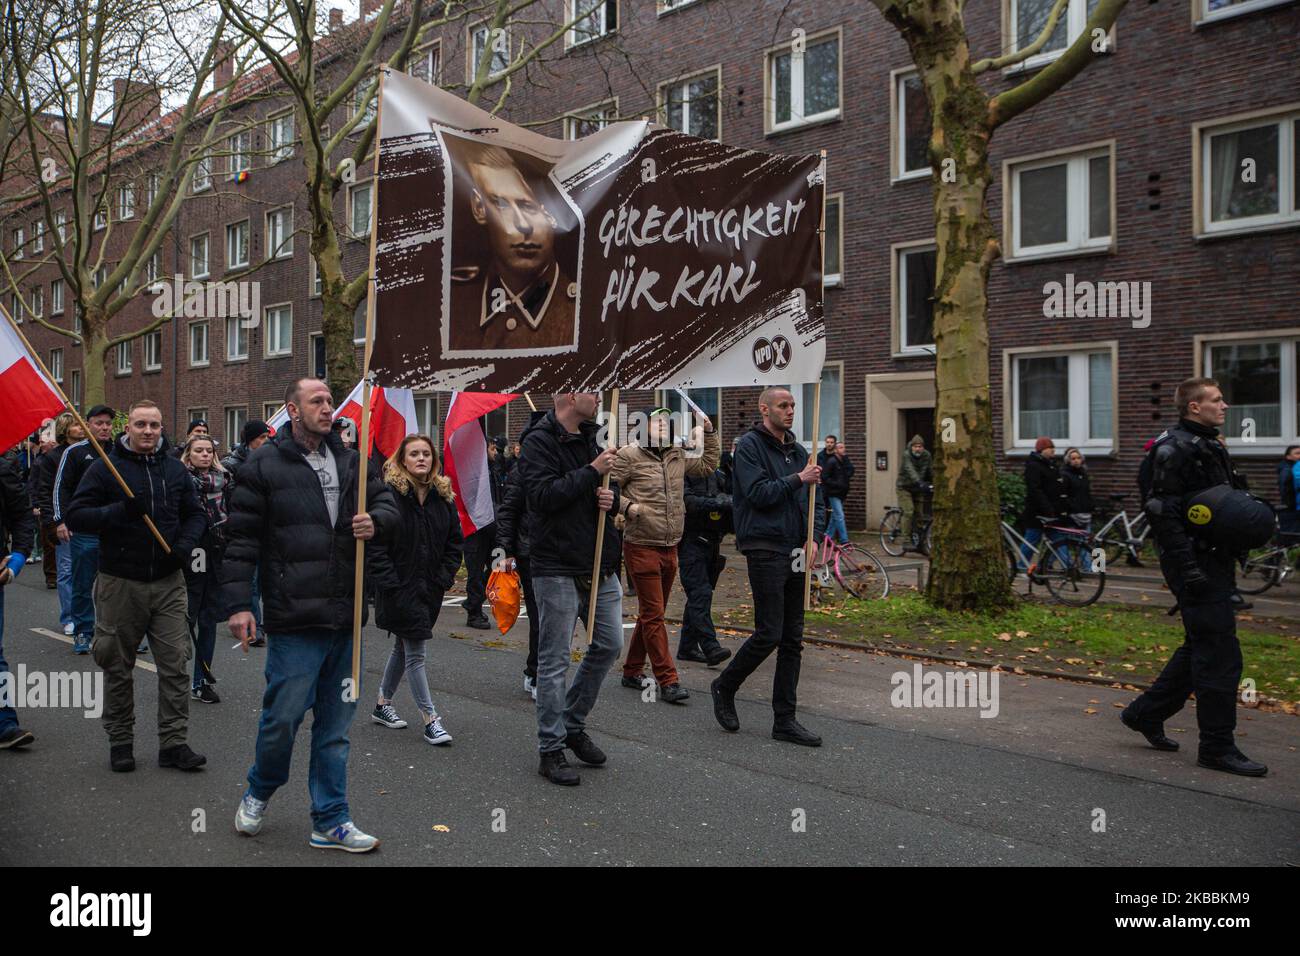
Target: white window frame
{"x": 1287, "y": 119}
{"x": 1077, "y": 241}
{"x": 571, "y": 37}
{"x": 193, "y": 327}
{"x": 56, "y": 364}
{"x": 56, "y": 296}
{"x": 280, "y": 149}
{"x": 38, "y": 301}
{"x": 797, "y": 120}
{"x": 20, "y": 240}
{"x": 898, "y": 100}
{"x": 317, "y": 287}
{"x": 99, "y": 277}
{"x": 207, "y": 255}
{"x": 359, "y": 312}
{"x": 61, "y": 224}
{"x": 473, "y": 52}
{"x": 371, "y": 108}
{"x": 101, "y": 219}
{"x": 239, "y": 146}
{"x": 202, "y": 178}
{"x": 152, "y": 341}
{"x": 1076, "y": 18}
{"x": 271, "y": 333}
{"x": 1019, "y": 445}
{"x": 151, "y": 183}
{"x": 1201, "y": 12}
{"x": 279, "y": 246}
{"x": 233, "y": 425}
{"x": 231, "y": 232}
{"x": 236, "y": 324}
{"x": 199, "y": 414}
{"x": 426, "y": 413}
{"x": 602, "y": 113}
{"x": 125, "y": 202}
{"x": 74, "y": 388}
{"x": 38, "y": 235}
{"x": 835, "y": 280}
{"x": 1288, "y": 384}
{"x": 353, "y": 191}
{"x": 898, "y": 285}
{"x": 124, "y": 358}
{"x": 682, "y": 85}
{"x": 663, "y": 7}
{"x": 312, "y": 339}
{"x": 153, "y": 268}
{"x": 421, "y": 55}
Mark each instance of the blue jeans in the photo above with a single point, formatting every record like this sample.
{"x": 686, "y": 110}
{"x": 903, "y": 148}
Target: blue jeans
{"x": 561, "y": 712}
{"x": 257, "y": 603}
{"x": 85, "y": 565}
{"x": 63, "y": 572}
{"x": 8, "y": 717}
{"x": 1035, "y": 535}
{"x": 837, "y": 529}
{"x": 306, "y": 671}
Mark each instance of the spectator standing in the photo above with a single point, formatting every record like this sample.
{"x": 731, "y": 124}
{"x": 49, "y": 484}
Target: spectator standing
{"x": 1045, "y": 495}
{"x": 837, "y": 475}
{"x": 1078, "y": 489}
{"x": 203, "y": 571}
{"x": 915, "y": 476}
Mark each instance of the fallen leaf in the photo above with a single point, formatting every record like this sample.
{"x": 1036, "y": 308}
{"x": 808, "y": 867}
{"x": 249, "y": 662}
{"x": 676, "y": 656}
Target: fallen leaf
{"x": 1004, "y": 636}
{"x": 1022, "y": 633}
{"x": 441, "y": 828}
{"x": 1090, "y": 710}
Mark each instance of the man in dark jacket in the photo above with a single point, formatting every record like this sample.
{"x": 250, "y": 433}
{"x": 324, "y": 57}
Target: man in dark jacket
{"x": 17, "y": 530}
{"x": 700, "y": 562}
{"x": 256, "y": 434}
{"x": 141, "y": 587}
{"x": 514, "y": 533}
{"x": 293, "y": 518}
{"x": 562, "y": 468}
{"x": 40, "y": 488}
{"x": 478, "y": 551}
{"x": 837, "y": 474}
{"x": 84, "y": 548}
{"x": 915, "y": 477}
{"x": 770, "y": 505}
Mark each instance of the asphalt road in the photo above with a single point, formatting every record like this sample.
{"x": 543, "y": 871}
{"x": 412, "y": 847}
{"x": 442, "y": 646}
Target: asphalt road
{"x": 890, "y": 786}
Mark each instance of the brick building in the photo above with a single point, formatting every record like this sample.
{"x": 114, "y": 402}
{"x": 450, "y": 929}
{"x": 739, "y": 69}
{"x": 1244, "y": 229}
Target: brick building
{"x": 1171, "y": 166}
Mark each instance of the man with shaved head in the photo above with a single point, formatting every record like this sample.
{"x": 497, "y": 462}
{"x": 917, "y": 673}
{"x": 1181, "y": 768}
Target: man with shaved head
{"x": 770, "y": 482}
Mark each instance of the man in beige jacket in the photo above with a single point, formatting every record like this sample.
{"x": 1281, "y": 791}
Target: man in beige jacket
{"x": 651, "y": 480}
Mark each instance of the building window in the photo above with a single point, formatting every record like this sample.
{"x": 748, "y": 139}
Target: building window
{"x": 692, "y": 105}
{"x": 426, "y": 418}
{"x": 101, "y": 218}
{"x": 804, "y": 87}
{"x": 56, "y": 364}
{"x": 20, "y": 240}
{"x": 316, "y": 283}
{"x": 197, "y": 414}
{"x": 359, "y": 209}
{"x": 666, "y": 5}
{"x": 236, "y": 419}
{"x": 239, "y": 146}
{"x": 125, "y": 202}
{"x": 1061, "y": 204}
{"x": 591, "y": 19}
{"x": 481, "y": 36}
{"x": 1259, "y": 382}
{"x": 61, "y": 225}
{"x": 1222, "y": 9}
{"x": 199, "y": 343}
{"x": 912, "y": 126}
{"x": 269, "y": 410}
{"x": 279, "y": 232}
{"x": 915, "y": 296}
{"x": 124, "y": 358}
{"x": 364, "y": 102}
{"x": 1067, "y": 397}
{"x": 99, "y": 277}
{"x": 1250, "y": 177}
{"x": 833, "y": 250}
{"x": 237, "y": 245}
{"x": 38, "y": 235}
{"x": 75, "y": 390}
{"x": 236, "y": 339}
{"x": 202, "y": 175}
{"x": 153, "y": 268}
{"x": 153, "y": 351}
{"x": 199, "y": 256}
{"x": 279, "y": 330}
{"x": 359, "y": 324}
{"x": 279, "y": 134}
{"x": 587, "y": 121}
{"x": 317, "y": 367}
{"x": 1029, "y": 17}
{"x": 426, "y": 62}
{"x": 150, "y": 189}
{"x": 38, "y": 301}
{"x": 831, "y": 409}
{"x": 56, "y": 297}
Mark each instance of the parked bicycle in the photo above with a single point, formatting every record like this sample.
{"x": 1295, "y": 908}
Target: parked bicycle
{"x": 1119, "y": 535}
{"x": 859, "y": 572}
{"x": 1269, "y": 566}
{"x": 1066, "y": 560}
{"x": 897, "y": 540}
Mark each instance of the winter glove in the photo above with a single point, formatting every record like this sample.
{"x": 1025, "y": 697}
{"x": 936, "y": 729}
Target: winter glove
{"x": 1194, "y": 579}
{"x": 136, "y": 507}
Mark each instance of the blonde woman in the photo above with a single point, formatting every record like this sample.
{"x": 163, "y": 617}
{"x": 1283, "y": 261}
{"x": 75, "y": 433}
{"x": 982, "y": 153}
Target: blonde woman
{"x": 211, "y": 484}
{"x": 410, "y": 573}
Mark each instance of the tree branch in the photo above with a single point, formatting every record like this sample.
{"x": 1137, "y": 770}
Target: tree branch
{"x": 1019, "y": 56}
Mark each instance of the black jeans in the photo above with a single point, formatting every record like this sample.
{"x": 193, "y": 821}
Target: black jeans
{"x": 778, "y": 625}
{"x": 478, "y": 562}
{"x": 1207, "y": 662}
{"x": 698, "y": 563}
{"x": 523, "y": 566}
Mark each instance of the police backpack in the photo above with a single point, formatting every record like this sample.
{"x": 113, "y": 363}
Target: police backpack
{"x": 1229, "y": 518}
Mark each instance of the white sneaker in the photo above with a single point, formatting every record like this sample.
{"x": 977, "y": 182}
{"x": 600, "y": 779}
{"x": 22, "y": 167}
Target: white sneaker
{"x": 530, "y": 686}
{"x": 386, "y": 714}
{"x": 434, "y": 734}
{"x": 69, "y": 629}
{"x": 345, "y": 836}
{"x": 250, "y": 815}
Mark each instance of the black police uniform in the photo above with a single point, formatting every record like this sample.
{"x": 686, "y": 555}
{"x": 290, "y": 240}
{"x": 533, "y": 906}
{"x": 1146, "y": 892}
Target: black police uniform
{"x": 700, "y": 562}
{"x": 1186, "y": 459}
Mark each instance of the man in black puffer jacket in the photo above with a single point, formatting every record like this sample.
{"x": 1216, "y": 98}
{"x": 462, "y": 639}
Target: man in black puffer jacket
{"x": 561, "y": 469}
{"x": 141, "y": 587}
{"x": 514, "y": 531}
{"x": 293, "y": 517}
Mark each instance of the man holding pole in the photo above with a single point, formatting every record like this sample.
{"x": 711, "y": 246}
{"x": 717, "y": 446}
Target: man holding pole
{"x": 562, "y": 469}
{"x": 770, "y": 503}
{"x": 293, "y": 518}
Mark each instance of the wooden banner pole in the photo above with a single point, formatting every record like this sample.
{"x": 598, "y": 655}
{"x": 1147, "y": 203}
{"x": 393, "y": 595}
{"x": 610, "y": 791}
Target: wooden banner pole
{"x": 612, "y": 423}
{"x": 529, "y": 399}
{"x": 817, "y": 412}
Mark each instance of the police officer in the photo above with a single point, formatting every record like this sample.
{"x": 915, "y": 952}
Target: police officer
{"x": 1186, "y": 460}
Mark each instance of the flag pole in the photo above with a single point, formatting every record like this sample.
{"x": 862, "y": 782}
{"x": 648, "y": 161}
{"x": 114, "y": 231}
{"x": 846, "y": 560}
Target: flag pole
{"x": 600, "y": 527}
{"x": 529, "y": 399}
{"x": 363, "y": 448}
{"x": 35, "y": 356}
{"x": 817, "y": 412}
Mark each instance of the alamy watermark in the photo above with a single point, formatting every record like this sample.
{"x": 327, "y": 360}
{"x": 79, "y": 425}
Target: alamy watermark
{"x": 208, "y": 300}
{"x": 953, "y": 688}
{"x": 78, "y": 690}
{"x": 1086, "y": 299}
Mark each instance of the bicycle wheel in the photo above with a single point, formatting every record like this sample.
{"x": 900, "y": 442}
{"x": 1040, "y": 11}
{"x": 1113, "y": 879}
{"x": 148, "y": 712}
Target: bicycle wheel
{"x": 1116, "y": 546}
{"x": 861, "y": 574}
{"x": 1261, "y": 571}
{"x": 928, "y": 539}
{"x": 1078, "y": 584}
{"x": 1012, "y": 561}
{"x": 892, "y": 538}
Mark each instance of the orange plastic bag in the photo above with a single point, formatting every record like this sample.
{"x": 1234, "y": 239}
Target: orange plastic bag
{"x": 503, "y": 593}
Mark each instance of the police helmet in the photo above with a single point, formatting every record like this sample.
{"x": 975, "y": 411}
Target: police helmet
{"x": 1226, "y": 517}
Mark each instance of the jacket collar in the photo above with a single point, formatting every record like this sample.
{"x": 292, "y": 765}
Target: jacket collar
{"x": 789, "y": 442}
{"x": 288, "y": 446}
{"x": 123, "y": 449}
{"x": 1196, "y": 428}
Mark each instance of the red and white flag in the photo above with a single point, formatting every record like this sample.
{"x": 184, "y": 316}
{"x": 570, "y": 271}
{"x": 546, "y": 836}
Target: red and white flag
{"x": 278, "y": 420}
{"x": 464, "y": 456}
{"x": 392, "y": 416}
{"x": 27, "y": 397}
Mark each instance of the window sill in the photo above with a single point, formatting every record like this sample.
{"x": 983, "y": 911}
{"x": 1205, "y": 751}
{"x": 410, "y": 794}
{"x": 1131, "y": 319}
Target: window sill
{"x": 1219, "y": 16}
{"x": 1095, "y": 451}
{"x": 152, "y": 371}
{"x": 200, "y": 365}
{"x": 914, "y": 354}
{"x": 236, "y": 361}
{"x": 805, "y": 124}
{"x": 278, "y": 355}
{"x": 833, "y": 282}
{"x": 122, "y": 375}
{"x": 1063, "y": 254}
{"x": 913, "y": 176}
{"x": 590, "y": 42}
{"x": 1272, "y": 448}
{"x": 1247, "y": 231}
{"x": 668, "y": 11}
{"x": 236, "y": 270}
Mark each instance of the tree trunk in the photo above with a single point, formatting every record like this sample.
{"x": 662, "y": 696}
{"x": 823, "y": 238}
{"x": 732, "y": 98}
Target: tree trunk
{"x": 336, "y": 313}
{"x": 94, "y": 348}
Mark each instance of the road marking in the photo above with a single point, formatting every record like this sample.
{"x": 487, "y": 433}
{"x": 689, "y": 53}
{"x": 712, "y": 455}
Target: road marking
{"x": 453, "y": 601}
{"x": 144, "y": 665}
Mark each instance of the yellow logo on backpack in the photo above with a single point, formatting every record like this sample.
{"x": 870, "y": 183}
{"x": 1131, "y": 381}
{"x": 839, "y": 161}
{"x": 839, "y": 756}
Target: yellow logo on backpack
{"x": 1199, "y": 514}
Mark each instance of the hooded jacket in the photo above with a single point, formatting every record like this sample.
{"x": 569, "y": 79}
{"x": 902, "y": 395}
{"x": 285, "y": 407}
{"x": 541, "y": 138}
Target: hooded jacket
{"x": 279, "y": 524}
{"x": 414, "y": 567}
{"x": 1045, "y": 492}
{"x": 555, "y": 470}
{"x": 837, "y": 473}
{"x": 769, "y": 502}
{"x": 41, "y": 482}
{"x": 915, "y": 470}
{"x": 17, "y": 523}
{"x": 127, "y": 548}
{"x": 653, "y": 480}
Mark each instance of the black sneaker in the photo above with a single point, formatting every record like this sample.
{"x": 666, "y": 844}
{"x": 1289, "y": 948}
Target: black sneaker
{"x": 674, "y": 694}
{"x": 717, "y": 655}
{"x": 1156, "y": 738}
{"x": 692, "y": 654}
{"x": 181, "y": 757}
{"x": 584, "y": 749}
{"x": 1233, "y": 762}
{"x": 792, "y": 732}
{"x": 636, "y": 683}
{"x": 724, "y": 707}
{"x": 15, "y": 739}
{"x": 556, "y": 769}
{"x": 121, "y": 758}
{"x": 479, "y": 622}
{"x": 205, "y": 693}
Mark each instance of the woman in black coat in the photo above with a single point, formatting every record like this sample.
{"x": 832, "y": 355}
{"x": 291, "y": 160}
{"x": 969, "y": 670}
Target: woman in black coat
{"x": 410, "y": 572}
{"x": 1044, "y": 491}
{"x": 1078, "y": 489}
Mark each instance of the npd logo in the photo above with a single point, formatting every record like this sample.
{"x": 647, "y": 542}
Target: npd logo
{"x": 771, "y": 355}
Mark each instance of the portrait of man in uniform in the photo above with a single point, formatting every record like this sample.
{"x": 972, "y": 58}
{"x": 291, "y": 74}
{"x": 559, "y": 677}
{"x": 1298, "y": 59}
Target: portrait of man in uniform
{"x": 512, "y": 285}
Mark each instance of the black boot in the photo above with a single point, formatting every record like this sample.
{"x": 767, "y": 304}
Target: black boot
{"x": 724, "y": 706}
{"x": 793, "y": 732}
{"x": 1156, "y": 738}
{"x": 674, "y": 694}
{"x": 181, "y": 757}
{"x": 121, "y": 758}
{"x": 584, "y": 749}
{"x": 556, "y": 769}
